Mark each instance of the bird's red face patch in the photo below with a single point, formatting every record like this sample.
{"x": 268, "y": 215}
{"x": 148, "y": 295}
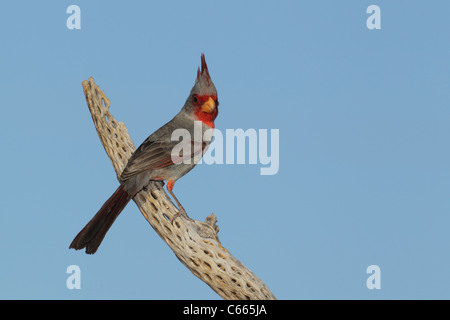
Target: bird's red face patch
{"x": 206, "y": 108}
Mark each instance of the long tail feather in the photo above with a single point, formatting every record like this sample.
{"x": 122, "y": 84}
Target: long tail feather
{"x": 93, "y": 233}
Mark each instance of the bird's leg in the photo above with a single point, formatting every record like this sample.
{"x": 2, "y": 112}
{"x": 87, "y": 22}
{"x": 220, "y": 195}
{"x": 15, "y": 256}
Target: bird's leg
{"x": 181, "y": 210}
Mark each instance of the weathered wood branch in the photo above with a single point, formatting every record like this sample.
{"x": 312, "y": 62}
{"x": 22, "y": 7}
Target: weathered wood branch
{"x": 195, "y": 243}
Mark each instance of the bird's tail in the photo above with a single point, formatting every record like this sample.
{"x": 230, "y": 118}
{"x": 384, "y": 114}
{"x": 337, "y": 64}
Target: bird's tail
{"x": 93, "y": 233}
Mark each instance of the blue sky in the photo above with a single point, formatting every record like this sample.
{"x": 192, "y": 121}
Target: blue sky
{"x": 363, "y": 115}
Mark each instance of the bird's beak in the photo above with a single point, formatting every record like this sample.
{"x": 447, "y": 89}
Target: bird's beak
{"x": 209, "y": 105}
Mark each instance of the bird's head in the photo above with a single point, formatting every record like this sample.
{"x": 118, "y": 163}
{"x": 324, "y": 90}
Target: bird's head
{"x": 202, "y": 101}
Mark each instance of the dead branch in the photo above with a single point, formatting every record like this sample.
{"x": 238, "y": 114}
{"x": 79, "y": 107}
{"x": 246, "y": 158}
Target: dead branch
{"x": 195, "y": 243}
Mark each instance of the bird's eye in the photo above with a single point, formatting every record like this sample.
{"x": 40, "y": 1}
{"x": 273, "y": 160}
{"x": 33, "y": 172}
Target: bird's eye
{"x": 195, "y": 98}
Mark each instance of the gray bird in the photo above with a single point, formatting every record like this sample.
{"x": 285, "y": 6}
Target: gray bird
{"x": 158, "y": 159}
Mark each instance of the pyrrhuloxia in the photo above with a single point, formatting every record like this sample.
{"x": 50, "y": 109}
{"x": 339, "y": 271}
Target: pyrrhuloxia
{"x": 153, "y": 160}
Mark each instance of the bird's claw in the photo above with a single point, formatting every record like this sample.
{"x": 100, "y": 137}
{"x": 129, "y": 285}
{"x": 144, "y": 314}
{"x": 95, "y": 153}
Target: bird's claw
{"x": 180, "y": 212}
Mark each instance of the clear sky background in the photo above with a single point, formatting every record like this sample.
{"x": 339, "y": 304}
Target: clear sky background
{"x": 363, "y": 116}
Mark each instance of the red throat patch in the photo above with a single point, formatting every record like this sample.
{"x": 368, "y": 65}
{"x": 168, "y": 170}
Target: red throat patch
{"x": 206, "y": 118}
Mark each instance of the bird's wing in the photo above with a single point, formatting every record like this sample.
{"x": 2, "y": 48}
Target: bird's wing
{"x": 152, "y": 155}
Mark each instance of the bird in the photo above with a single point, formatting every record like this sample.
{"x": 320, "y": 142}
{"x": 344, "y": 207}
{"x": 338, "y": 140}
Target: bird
{"x": 153, "y": 160}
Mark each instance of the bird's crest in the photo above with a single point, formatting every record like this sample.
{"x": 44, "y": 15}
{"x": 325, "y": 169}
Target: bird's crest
{"x": 203, "y": 73}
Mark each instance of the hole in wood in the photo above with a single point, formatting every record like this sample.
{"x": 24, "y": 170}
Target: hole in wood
{"x": 192, "y": 249}
{"x": 250, "y": 287}
{"x": 194, "y": 262}
{"x": 168, "y": 229}
{"x": 221, "y": 255}
{"x": 208, "y": 276}
{"x": 155, "y": 217}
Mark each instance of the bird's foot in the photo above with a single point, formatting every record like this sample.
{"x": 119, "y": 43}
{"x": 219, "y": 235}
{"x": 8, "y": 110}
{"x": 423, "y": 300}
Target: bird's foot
{"x": 180, "y": 212}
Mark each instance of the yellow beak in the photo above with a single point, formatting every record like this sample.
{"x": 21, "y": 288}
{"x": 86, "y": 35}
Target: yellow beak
{"x": 209, "y": 105}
